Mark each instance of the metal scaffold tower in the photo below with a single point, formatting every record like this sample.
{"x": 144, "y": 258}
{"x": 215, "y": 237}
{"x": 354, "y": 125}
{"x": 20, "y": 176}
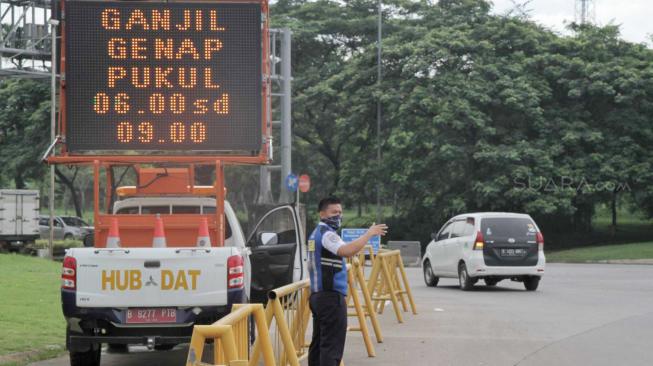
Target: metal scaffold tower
{"x": 25, "y": 38}
{"x": 280, "y": 96}
{"x": 585, "y": 12}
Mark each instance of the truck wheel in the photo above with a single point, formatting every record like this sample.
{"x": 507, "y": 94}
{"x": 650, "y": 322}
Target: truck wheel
{"x": 88, "y": 358}
{"x": 68, "y": 237}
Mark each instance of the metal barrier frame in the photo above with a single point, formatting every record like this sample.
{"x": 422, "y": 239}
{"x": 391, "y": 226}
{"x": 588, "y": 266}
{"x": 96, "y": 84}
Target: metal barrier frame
{"x": 384, "y": 284}
{"x": 293, "y": 338}
{"x": 228, "y": 334}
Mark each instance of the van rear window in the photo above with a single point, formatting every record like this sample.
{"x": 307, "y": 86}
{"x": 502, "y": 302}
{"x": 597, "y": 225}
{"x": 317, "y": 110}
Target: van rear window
{"x": 508, "y": 227}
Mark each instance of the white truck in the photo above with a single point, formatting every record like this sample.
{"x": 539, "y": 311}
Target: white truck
{"x": 19, "y": 218}
{"x": 137, "y": 294}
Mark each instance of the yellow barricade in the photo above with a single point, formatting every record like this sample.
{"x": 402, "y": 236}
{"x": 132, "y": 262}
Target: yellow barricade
{"x": 288, "y": 307}
{"x": 388, "y": 281}
{"x": 364, "y": 309}
{"x": 231, "y": 338}
{"x": 287, "y": 315}
{"x": 369, "y": 251}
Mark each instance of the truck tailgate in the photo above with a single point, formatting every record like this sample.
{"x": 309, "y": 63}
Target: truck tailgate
{"x": 151, "y": 277}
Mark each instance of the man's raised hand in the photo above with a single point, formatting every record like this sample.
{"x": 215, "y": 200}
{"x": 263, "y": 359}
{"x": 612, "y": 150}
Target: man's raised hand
{"x": 380, "y": 229}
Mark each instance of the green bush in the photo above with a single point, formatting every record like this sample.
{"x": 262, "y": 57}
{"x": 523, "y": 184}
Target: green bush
{"x": 43, "y": 244}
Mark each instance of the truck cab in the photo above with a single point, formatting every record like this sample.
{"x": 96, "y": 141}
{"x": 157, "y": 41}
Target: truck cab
{"x": 135, "y": 293}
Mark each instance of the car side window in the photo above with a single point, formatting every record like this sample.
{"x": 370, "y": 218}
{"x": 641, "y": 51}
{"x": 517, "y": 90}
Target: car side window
{"x": 468, "y": 227}
{"x": 444, "y": 233}
{"x": 457, "y": 229}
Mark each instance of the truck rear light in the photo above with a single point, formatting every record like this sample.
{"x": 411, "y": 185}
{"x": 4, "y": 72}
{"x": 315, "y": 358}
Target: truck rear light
{"x": 69, "y": 273}
{"x": 235, "y": 272}
{"x": 479, "y": 242}
{"x": 540, "y": 240}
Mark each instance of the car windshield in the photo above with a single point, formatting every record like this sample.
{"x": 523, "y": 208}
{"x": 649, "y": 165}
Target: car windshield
{"x": 508, "y": 227}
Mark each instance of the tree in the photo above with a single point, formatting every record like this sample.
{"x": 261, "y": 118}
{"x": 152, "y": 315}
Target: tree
{"x": 487, "y": 112}
{"x": 24, "y": 129}
{"x": 326, "y": 34}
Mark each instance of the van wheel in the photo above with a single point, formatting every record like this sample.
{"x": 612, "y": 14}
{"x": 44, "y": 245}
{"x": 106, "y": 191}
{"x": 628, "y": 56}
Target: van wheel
{"x": 531, "y": 283}
{"x": 429, "y": 278}
{"x": 490, "y": 282}
{"x": 466, "y": 282}
{"x": 88, "y": 358}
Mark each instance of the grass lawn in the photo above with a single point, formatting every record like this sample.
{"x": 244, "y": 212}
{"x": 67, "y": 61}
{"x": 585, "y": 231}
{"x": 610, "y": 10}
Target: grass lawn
{"x": 605, "y": 252}
{"x": 30, "y": 307}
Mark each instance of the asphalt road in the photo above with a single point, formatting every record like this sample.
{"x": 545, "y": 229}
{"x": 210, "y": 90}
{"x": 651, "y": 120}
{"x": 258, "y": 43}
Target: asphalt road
{"x": 580, "y": 315}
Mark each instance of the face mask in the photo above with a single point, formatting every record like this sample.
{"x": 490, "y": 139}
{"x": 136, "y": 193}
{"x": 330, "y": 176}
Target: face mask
{"x": 334, "y": 221}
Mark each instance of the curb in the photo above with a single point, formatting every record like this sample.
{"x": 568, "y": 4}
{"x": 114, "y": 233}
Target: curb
{"x": 610, "y": 261}
{"x": 626, "y": 261}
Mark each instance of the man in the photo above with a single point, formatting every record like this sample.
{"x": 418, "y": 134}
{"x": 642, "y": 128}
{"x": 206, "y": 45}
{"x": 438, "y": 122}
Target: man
{"x": 328, "y": 272}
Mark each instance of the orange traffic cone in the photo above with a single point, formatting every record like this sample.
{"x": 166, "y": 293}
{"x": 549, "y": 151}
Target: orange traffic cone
{"x": 113, "y": 239}
{"x": 159, "y": 240}
{"x": 203, "y": 238}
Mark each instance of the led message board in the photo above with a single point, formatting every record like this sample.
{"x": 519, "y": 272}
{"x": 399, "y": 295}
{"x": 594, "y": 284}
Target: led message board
{"x": 167, "y": 77}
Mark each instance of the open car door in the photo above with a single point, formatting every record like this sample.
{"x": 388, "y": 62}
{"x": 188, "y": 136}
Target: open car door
{"x": 278, "y": 251}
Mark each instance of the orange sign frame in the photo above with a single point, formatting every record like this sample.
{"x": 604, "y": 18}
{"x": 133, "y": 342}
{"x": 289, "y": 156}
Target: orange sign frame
{"x": 138, "y": 228}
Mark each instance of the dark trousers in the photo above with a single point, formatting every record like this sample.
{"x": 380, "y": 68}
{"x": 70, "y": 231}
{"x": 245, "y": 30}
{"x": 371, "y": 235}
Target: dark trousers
{"x": 329, "y": 328}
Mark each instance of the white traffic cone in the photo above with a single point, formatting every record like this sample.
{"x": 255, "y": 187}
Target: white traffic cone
{"x": 203, "y": 238}
{"x": 113, "y": 239}
{"x": 159, "y": 240}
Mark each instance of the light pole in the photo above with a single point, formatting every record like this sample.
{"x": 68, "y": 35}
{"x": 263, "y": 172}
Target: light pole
{"x": 53, "y": 122}
{"x": 378, "y": 114}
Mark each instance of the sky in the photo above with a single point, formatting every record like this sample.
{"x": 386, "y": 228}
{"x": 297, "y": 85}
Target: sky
{"x": 634, "y": 16}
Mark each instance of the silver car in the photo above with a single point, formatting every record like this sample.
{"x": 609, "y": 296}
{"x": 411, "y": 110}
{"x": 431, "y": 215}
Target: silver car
{"x": 65, "y": 228}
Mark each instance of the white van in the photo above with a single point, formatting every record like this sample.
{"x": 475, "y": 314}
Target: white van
{"x": 492, "y": 246}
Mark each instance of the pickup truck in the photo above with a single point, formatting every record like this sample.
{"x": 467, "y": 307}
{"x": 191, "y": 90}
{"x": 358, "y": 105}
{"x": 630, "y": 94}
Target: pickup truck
{"x": 139, "y": 294}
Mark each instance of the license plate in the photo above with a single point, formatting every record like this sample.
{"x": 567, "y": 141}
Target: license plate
{"x": 513, "y": 252}
{"x": 153, "y": 315}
